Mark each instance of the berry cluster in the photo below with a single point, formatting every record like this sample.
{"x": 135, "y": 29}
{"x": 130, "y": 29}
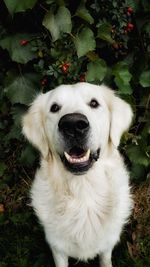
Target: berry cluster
{"x": 129, "y": 11}
{"x": 120, "y": 30}
{"x": 24, "y": 42}
{"x": 65, "y": 67}
{"x": 130, "y": 26}
{"x": 120, "y": 16}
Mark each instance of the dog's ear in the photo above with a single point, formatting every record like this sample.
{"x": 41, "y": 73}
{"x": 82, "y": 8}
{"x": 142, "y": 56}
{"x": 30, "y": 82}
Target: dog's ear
{"x": 121, "y": 117}
{"x": 33, "y": 125}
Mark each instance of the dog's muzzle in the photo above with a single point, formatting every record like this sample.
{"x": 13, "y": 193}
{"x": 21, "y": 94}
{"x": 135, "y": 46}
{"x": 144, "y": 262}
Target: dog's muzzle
{"x": 75, "y": 129}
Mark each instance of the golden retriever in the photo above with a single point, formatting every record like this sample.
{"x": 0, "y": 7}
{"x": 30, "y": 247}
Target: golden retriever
{"x": 81, "y": 191}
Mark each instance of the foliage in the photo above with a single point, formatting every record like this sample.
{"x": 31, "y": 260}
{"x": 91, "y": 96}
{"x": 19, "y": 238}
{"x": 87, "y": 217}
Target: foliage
{"x": 99, "y": 41}
{"x": 44, "y": 43}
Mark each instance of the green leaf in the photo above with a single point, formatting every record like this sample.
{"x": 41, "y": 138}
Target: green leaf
{"x": 146, "y": 5}
{"x": 50, "y": 1}
{"x": 104, "y": 32}
{"x": 84, "y": 42}
{"x": 21, "y": 89}
{"x": 123, "y": 86}
{"x": 84, "y": 14}
{"x": 145, "y": 78}
{"x": 15, "y": 6}
{"x": 137, "y": 172}
{"x": 134, "y": 4}
{"x": 59, "y": 23}
{"x": 14, "y": 133}
{"x": 50, "y": 24}
{"x": 122, "y": 78}
{"x": 28, "y": 155}
{"x": 2, "y": 168}
{"x": 18, "y": 53}
{"x": 17, "y": 112}
{"x": 63, "y": 19}
{"x": 96, "y": 70}
{"x": 137, "y": 155}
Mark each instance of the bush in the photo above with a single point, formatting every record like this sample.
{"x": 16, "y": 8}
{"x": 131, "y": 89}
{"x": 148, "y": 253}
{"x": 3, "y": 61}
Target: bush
{"x": 46, "y": 43}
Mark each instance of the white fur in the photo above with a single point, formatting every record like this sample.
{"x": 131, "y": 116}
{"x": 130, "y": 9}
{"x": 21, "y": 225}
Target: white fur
{"x": 82, "y": 215}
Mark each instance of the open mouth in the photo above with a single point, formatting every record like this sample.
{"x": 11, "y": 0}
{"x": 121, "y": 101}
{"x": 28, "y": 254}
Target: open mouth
{"x": 79, "y": 160}
{"x": 77, "y": 155}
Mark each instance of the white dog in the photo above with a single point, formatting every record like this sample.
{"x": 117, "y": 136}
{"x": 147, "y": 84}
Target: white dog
{"x": 81, "y": 191}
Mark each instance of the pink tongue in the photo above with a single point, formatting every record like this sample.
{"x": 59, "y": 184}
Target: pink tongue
{"x": 76, "y": 152}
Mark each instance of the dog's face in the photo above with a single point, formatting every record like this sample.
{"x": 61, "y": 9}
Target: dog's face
{"x": 77, "y": 125}
{"x": 75, "y": 122}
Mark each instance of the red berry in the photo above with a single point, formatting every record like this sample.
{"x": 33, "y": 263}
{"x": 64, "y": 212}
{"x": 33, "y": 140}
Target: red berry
{"x": 24, "y": 42}
{"x": 130, "y": 26}
{"x": 44, "y": 82}
{"x": 130, "y": 10}
{"x": 65, "y": 67}
{"x": 82, "y": 77}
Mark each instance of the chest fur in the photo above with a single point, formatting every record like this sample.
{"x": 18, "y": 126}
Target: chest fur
{"x": 79, "y": 211}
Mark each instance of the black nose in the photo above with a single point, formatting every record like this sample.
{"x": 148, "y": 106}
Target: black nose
{"x": 73, "y": 124}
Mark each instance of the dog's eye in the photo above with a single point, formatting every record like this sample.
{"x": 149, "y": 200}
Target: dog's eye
{"x": 55, "y": 108}
{"x": 94, "y": 103}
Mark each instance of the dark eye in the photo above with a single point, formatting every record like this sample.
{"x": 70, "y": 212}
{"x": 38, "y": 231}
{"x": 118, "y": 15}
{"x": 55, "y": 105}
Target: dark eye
{"x": 94, "y": 103}
{"x": 55, "y": 108}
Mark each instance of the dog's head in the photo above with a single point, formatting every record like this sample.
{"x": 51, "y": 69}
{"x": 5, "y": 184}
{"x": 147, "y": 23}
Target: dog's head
{"x": 75, "y": 123}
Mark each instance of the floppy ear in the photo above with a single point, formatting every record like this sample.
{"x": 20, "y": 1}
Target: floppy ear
{"x": 33, "y": 125}
{"x": 121, "y": 117}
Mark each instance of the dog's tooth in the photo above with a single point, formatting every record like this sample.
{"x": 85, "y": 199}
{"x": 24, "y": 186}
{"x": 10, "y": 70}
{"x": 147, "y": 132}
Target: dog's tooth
{"x": 67, "y": 156}
{"x": 84, "y": 159}
{"x": 81, "y": 159}
{"x": 72, "y": 160}
{"x": 87, "y": 154}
